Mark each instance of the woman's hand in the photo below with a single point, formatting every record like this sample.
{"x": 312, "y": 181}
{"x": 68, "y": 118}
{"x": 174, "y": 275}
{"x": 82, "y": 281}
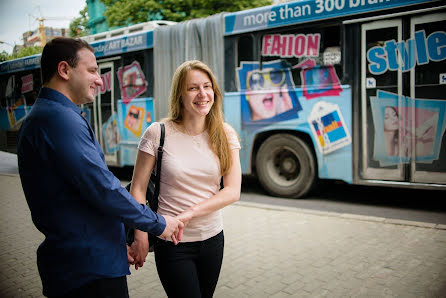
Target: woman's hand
{"x": 186, "y": 216}
{"x": 140, "y": 248}
{"x": 130, "y": 258}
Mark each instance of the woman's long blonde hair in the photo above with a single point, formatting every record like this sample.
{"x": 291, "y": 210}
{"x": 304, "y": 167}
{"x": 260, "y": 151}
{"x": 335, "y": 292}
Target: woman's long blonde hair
{"x": 214, "y": 120}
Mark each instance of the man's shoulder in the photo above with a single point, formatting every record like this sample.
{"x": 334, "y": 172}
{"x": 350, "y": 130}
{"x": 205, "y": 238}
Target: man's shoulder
{"x": 52, "y": 118}
{"x": 51, "y": 110}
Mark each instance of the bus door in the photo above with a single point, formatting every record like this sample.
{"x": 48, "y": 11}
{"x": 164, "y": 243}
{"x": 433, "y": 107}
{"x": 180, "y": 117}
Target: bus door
{"x": 403, "y": 99}
{"x": 105, "y": 117}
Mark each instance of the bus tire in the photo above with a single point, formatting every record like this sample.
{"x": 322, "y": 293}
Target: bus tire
{"x": 286, "y": 166}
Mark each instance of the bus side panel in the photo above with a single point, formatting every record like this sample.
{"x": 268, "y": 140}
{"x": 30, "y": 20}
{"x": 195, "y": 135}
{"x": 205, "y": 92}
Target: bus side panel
{"x": 133, "y": 119}
{"x": 11, "y": 117}
{"x": 232, "y": 111}
{"x": 327, "y": 120}
{"x": 332, "y": 140}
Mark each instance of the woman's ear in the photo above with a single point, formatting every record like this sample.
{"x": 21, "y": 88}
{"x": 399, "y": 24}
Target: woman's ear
{"x": 63, "y": 70}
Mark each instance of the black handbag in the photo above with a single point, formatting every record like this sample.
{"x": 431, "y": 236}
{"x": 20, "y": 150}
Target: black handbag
{"x": 153, "y": 190}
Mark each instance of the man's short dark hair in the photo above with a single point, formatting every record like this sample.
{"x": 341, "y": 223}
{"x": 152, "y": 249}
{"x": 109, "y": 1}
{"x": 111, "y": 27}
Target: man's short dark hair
{"x": 57, "y": 50}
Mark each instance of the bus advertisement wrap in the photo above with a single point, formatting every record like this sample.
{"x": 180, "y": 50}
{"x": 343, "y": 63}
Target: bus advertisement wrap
{"x": 304, "y": 11}
{"x": 123, "y": 44}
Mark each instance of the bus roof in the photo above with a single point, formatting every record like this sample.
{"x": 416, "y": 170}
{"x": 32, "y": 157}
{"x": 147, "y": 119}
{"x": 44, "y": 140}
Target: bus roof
{"x": 123, "y": 44}
{"x": 304, "y": 11}
{"x": 25, "y": 63}
{"x": 111, "y": 46}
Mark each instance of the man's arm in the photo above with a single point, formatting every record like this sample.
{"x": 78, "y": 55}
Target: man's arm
{"x": 82, "y": 165}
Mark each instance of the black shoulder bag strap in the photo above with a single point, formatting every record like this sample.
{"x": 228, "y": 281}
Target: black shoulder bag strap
{"x": 158, "y": 168}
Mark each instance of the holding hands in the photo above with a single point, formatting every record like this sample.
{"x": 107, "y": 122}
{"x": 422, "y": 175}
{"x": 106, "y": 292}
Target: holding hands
{"x": 137, "y": 252}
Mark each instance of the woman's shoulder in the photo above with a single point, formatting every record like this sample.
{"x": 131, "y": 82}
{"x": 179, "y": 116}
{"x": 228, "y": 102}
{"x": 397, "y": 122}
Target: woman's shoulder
{"x": 229, "y": 129}
{"x": 153, "y": 131}
{"x": 170, "y": 126}
{"x": 232, "y": 136}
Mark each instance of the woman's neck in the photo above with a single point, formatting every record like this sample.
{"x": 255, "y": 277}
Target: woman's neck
{"x": 194, "y": 126}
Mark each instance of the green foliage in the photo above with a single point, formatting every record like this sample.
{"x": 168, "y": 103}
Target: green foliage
{"x": 4, "y": 56}
{"x": 127, "y": 12}
{"x": 78, "y": 27}
{"x": 28, "y": 51}
{"x": 23, "y": 52}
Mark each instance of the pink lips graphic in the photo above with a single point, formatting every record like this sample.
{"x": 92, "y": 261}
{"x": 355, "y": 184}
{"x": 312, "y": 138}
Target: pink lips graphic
{"x": 268, "y": 102}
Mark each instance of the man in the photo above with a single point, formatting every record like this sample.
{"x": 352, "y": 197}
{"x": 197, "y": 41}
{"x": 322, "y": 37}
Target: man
{"x": 75, "y": 201}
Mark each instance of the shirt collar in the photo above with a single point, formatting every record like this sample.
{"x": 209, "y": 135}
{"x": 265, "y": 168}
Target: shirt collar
{"x": 54, "y": 95}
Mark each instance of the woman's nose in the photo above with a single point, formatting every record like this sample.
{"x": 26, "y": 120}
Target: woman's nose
{"x": 201, "y": 91}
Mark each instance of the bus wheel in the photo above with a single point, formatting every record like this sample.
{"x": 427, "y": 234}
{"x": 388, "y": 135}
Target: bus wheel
{"x": 286, "y": 166}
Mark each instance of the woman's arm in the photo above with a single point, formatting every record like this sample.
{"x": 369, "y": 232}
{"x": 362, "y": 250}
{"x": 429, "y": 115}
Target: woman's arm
{"x": 141, "y": 174}
{"x": 228, "y": 195}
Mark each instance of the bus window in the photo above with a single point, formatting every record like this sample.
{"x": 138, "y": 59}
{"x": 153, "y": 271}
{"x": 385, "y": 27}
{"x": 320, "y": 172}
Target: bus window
{"x": 24, "y": 86}
{"x": 30, "y": 86}
{"x": 430, "y": 78}
{"x": 245, "y": 49}
{"x": 132, "y": 78}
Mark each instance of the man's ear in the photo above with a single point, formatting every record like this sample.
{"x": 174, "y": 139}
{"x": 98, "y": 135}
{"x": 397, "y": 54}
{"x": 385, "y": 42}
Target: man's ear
{"x": 63, "y": 69}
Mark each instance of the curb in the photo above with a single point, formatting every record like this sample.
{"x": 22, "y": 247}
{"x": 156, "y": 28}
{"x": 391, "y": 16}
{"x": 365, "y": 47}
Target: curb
{"x": 9, "y": 174}
{"x": 383, "y": 220}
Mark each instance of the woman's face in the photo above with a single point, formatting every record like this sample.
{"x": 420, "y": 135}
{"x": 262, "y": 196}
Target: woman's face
{"x": 390, "y": 119}
{"x": 198, "y": 94}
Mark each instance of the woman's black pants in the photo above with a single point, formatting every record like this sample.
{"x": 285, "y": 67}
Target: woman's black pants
{"x": 190, "y": 269}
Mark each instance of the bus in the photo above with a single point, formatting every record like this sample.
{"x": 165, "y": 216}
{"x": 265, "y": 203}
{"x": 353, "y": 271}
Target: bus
{"x": 349, "y": 90}
{"x": 125, "y": 60}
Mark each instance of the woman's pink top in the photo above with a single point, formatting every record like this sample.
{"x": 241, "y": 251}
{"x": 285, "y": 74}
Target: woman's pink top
{"x": 190, "y": 173}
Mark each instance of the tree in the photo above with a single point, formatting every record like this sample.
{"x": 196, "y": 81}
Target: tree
{"x": 127, "y": 12}
{"x": 78, "y": 27}
{"x": 28, "y": 51}
{"x": 3, "y": 56}
{"x": 23, "y": 52}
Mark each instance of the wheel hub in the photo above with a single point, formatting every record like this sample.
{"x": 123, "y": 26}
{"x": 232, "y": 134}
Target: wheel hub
{"x": 287, "y": 165}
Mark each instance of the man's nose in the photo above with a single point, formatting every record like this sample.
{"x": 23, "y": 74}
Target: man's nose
{"x": 99, "y": 80}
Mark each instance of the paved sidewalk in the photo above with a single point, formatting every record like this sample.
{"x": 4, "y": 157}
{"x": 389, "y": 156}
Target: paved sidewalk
{"x": 8, "y": 163}
{"x": 269, "y": 252}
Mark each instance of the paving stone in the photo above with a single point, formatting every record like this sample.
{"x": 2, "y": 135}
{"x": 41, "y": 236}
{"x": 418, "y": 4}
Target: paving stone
{"x": 269, "y": 252}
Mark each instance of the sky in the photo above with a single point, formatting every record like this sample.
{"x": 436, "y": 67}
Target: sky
{"x": 15, "y": 17}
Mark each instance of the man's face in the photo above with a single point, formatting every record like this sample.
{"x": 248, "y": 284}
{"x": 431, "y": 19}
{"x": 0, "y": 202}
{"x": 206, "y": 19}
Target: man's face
{"x": 84, "y": 78}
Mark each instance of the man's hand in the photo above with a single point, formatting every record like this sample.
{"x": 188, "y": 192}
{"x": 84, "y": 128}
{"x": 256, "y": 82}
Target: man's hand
{"x": 140, "y": 248}
{"x": 173, "y": 227}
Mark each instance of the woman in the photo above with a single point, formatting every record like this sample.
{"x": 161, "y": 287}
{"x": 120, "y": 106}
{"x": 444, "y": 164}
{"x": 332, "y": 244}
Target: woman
{"x": 199, "y": 150}
{"x": 391, "y": 130}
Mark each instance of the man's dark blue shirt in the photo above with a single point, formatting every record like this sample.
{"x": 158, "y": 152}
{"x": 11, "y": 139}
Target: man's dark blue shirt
{"x": 75, "y": 201}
